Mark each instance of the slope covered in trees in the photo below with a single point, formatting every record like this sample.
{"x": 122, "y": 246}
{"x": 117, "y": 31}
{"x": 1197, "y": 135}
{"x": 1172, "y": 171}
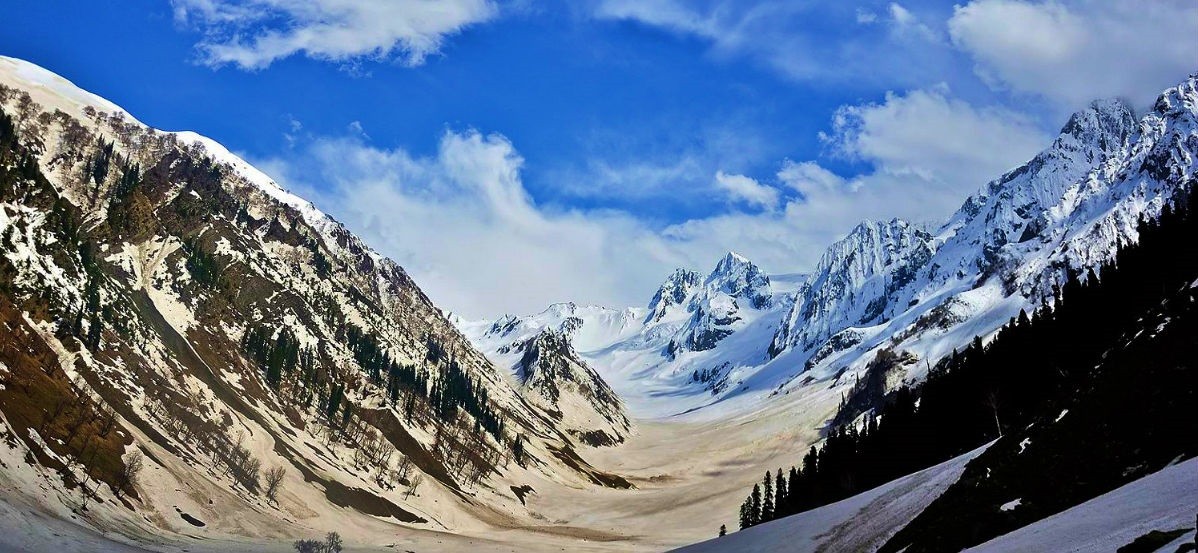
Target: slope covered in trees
{"x": 167, "y": 304}
{"x": 1115, "y": 348}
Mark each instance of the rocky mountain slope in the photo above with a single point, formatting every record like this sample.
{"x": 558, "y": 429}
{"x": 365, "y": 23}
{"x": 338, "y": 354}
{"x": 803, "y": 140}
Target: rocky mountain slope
{"x": 1070, "y": 207}
{"x": 188, "y": 345}
{"x": 677, "y": 352}
{"x": 572, "y": 393}
{"x": 716, "y": 348}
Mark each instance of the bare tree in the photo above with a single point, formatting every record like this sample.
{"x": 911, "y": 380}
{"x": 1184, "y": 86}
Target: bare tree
{"x": 51, "y": 415}
{"x": 309, "y": 546}
{"x": 414, "y": 483}
{"x": 404, "y": 468}
{"x": 107, "y": 420}
{"x": 83, "y": 415}
{"x": 127, "y": 475}
{"x": 274, "y": 480}
{"x": 332, "y": 543}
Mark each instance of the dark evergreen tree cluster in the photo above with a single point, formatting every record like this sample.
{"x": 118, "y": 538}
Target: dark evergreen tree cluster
{"x": 204, "y": 267}
{"x": 1033, "y": 368}
{"x": 90, "y": 309}
{"x": 279, "y": 356}
{"x": 1124, "y": 413}
{"x": 129, "y": 181}
{"x": 96, "y": 167}
{"x": 121, "y": 209}
{"x": 404, "y": 382}
{"x": 453, "y": 389}
{"x": 335, "y": 397}
{"x": 320, "y": 261}
{"x": 18, "y": 163}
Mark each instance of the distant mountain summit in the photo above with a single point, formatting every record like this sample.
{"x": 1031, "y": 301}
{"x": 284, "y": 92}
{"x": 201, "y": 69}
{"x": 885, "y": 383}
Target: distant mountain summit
{"x": 569, "y": 390}
{"x": 853, "y": 282}
{"x": 729, "y": 339}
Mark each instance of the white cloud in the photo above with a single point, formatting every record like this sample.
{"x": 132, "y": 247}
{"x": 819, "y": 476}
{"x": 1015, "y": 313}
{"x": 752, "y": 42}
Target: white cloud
{"x": 668, "y": 160}
{"x": 906, "y": 22}
{"x": 462, "y": 222}
{"x": 940, "y": 139}
{"x": 1074, "y": 51}
{"x": 747, "y": 190}
{"x": 927, "y": 153}
{"x": 255, "y": 33}
{"x": 630, "y": 179}
{"x": 801, "y": 40}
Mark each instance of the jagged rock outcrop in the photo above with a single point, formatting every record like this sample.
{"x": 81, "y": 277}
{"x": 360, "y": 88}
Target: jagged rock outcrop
{"x": 1067, "y": 209}
{"x": 555, "y": 377}
{"x": 735, "y": 287}
{"x": 673, "y": 292}
{"x": 854, "y": 282}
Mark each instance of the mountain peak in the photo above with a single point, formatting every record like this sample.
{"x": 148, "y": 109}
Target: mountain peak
{"x": 870, "y": 226}
{"x": 731, "y": 262}
{"x": 1102, "y": 119}
{"x": 1180, "y": 98}
{"x": 736, "y": 276}
{"x": 676, "y": 288}
{"x": 733, "y": 257}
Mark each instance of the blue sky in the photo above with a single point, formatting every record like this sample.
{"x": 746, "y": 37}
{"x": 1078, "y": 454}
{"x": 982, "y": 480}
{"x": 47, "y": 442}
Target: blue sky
{"x": 510, "y": 154}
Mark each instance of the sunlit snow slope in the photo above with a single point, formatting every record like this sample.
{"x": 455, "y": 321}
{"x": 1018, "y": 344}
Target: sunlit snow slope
{"x": 708, "y": 344}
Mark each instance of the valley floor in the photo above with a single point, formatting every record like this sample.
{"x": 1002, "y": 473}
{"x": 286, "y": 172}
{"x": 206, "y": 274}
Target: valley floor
{"x": 690, "y": 476}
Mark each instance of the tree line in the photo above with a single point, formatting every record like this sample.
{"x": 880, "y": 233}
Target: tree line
{"x": 1034, "y": 367}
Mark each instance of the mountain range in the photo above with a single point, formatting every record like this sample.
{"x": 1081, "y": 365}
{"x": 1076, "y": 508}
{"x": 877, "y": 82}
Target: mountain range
{"x": 732, "y": 338}
{"x": 196, "y": 357}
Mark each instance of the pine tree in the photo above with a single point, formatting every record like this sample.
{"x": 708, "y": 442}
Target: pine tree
{"x": 518, "y": 449}
{"x": 792, "y": 492}
{"x": 767, "y": 504}
{"x": 755, "y": 506}
{"x": 779, "y": 494}
{"x": 334, "y": 401}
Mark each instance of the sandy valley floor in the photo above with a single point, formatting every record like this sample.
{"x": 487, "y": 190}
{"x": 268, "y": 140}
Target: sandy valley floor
{"x": 690, "y": 476}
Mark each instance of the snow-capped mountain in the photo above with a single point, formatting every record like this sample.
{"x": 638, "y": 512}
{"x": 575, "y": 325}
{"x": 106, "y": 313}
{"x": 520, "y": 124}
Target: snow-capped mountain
{"x": 164, "y": 300}
{"x": 853, "y": 282}
{"x": 896, "y": 285}
{"x": 679, "y": 352}
{"x": 568, "y": 390}
{"x": 734, "y": 290}
{"x": 1069, "y": 208}
{"x": 673, "y": 292}
{"x": 540, "y": 353}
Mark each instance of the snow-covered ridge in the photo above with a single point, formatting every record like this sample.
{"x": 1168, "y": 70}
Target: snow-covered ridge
{"x": 181, "y": 265}
{"x": 555, "y": 377}
{"x": 852, "y": 280}
{"x": 717, "y": 340}
{"x": 56, "y": 92}
{"x": 253, "y": 175}
{"x": 52, "y": 90}
{"x": 677, "y": 353}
